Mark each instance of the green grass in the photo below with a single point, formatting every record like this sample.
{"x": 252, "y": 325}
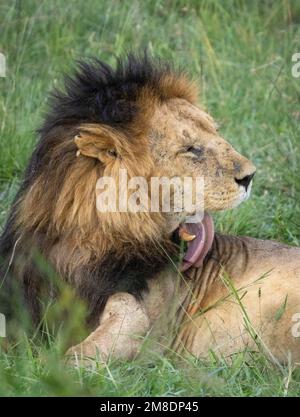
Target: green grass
{"x": 240, "y": 54}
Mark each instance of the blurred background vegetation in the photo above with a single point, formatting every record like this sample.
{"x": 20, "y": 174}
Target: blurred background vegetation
{"x": 240, "y": 53}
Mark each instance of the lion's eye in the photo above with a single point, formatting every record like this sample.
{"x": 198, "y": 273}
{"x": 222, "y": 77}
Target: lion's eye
{"x": 195, "y": 150}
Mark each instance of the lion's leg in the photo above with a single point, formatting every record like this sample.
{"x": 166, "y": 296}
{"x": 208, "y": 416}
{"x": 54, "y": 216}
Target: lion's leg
{"x": 119, "y": 335}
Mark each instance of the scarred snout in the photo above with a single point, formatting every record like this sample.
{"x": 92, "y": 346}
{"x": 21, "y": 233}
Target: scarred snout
{"x": 232, "y": 184}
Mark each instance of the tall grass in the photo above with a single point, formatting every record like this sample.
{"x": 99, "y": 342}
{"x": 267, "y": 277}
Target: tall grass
{"x": 240, "y": 53}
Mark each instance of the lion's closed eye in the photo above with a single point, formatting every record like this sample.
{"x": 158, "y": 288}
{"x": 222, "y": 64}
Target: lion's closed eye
{"x": 195, "y": 150}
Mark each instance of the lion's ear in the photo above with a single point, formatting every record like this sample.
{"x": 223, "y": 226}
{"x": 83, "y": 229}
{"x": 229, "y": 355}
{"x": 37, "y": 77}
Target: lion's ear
{"x": 97, "y": 142}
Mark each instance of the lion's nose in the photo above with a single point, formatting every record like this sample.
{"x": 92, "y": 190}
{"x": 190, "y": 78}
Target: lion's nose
{"x": 245, "y": 181}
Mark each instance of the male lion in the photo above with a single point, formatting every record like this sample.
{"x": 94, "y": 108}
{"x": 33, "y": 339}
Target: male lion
{"x": 227, "y": 291}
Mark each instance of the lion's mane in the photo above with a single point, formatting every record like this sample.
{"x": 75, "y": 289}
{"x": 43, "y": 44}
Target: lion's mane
{"x": 54, "y": 213}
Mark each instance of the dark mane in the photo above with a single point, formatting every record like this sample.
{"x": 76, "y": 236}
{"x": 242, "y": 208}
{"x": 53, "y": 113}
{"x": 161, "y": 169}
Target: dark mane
{"x": 99, "y": 94}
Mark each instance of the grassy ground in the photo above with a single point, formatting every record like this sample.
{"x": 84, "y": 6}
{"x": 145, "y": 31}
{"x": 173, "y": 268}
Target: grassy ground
{"x": 240, "y": 53}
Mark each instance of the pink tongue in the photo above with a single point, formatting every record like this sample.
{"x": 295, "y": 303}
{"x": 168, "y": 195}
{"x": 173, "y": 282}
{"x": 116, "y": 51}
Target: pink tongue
{"x": 199, "y": 247}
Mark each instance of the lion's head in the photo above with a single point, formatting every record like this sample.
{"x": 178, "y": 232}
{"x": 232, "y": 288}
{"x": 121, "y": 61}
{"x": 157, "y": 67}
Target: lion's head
{"x": 141, "y": 118}
{"x": 169, "y": 136}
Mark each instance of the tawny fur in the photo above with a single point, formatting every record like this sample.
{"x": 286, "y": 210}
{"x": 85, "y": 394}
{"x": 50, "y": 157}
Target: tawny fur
{"x": 202, "y": 308}
{"x": 55, "y": 213}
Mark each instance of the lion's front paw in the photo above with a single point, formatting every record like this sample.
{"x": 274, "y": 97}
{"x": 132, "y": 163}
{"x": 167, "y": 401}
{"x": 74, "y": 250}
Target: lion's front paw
{"x": 120, "y": 335}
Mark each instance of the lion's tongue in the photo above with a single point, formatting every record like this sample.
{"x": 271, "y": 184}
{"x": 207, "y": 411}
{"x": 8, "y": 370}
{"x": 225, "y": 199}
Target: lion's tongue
{"x": 198, "y": 247}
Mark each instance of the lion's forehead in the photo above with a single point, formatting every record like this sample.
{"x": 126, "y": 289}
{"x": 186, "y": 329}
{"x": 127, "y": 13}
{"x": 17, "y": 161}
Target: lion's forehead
{"x": 178, "y": 121}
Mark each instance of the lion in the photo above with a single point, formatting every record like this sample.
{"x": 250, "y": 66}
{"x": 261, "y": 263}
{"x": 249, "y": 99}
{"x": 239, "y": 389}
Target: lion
{"x": 143, "y": 275}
